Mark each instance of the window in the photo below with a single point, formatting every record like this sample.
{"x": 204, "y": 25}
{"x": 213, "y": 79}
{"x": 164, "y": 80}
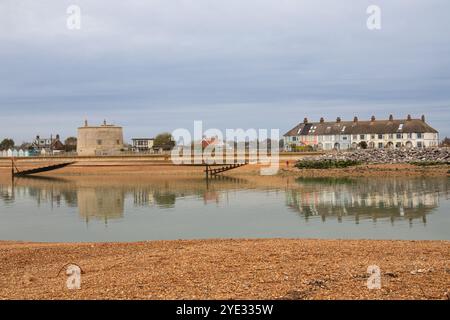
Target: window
{"x": 380, "y": 145}
{"x": 419, "y": 135}
{"x": 399, "y": 135}
{"x": 99, "y": 142}
{"x": 344, "y": 138}
{"x": 380, "y": 136}
{"x": 372, "y": 137}
{"x": 409, "y": 135}
{"x": 294, "y": 138}
{"x": 391, "y": 136}
{"x": 355, "y": 137}
{"x": 362, "y": 136}
{"x": 398, "y": 145}
{"x": 419, "y": 144}
{"x": 400, "y": 127}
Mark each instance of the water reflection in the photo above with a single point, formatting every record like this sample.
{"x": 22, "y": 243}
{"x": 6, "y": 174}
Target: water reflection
{"x": 367, "y": 198}
{"x": 105, "y": 200}
{"x": 134, "y": 208}
{"x": 101, "y": 203}
{"x": 354, "y": 199}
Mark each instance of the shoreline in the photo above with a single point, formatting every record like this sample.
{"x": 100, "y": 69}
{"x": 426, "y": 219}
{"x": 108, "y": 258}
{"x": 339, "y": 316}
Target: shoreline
{"x": 286, "y": 169}
{"x": 227, "y": 269}
{"x": 224, "y": 268}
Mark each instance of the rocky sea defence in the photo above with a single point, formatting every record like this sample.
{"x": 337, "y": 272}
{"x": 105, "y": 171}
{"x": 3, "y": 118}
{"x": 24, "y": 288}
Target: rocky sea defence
{"x": 429, "y": 156}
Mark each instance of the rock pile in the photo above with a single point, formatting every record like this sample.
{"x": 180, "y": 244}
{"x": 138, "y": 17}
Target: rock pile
{"x": 441, "y": 155}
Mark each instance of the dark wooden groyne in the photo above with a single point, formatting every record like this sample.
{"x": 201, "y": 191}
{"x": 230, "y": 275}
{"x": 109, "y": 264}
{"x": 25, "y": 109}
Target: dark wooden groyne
{"x": 18, "y": 173}
{"x": 212, "y": 171}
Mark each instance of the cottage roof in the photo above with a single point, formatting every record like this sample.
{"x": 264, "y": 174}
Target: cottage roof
{"x": 361, "y": 127}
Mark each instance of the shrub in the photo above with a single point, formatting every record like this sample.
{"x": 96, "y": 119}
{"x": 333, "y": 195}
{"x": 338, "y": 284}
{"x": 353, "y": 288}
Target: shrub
{"x": 302, "y": 148}
{"x": 325, "y": 164}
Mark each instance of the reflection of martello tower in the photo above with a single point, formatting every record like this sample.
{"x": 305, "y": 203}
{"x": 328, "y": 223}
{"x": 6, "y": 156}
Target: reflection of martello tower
{"x": 106, "y": 139}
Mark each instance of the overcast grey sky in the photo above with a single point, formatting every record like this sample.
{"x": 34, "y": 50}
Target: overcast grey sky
{"x": 154, "y": 66}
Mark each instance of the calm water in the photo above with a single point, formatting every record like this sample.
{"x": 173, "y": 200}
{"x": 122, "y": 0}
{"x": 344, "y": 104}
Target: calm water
{"x": 95, "y": 209}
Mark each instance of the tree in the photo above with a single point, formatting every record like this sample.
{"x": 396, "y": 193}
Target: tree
{"x": 445, "y": 142}
{"x": 26, "y": 146}
{"x": 70, "y": 144}
{"x": 164, "y": 141}
{"x": 7, "y": 144}
{"x": 363, "y": 145}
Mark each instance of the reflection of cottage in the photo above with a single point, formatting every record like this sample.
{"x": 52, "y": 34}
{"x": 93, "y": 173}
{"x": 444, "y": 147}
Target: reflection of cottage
{"x": 47, "y": 145}
{"x": 106, "y": 139}
{"x": 391, "y": 133}
{"x": 365, "y": 199}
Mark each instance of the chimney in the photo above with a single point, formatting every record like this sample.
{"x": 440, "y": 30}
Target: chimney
{"x": 408, "y": 117}
{"x": 104, "y": 122}
{"x": 391, "y": 117}
{"x": 322, "y": 120}
{"x": 372, "y": 119}
{"x": 305, "y": 121}
{"x": 338, "y": 119}
{"x": 85, "y": 123}
{"x": 423, "y": 118}
{"x": 57, "y": 137}
{"x": 355, "y": 119}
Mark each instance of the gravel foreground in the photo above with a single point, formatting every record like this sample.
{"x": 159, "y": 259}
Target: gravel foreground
{"x": 227, "y": 269}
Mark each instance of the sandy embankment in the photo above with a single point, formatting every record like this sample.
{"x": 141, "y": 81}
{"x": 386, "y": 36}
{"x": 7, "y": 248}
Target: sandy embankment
{"x": 157, "y": 166}
{"x": 228, "y": 269}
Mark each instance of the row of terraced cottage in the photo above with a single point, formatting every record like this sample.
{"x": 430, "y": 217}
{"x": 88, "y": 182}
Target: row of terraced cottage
{"x": 357, "y": 134}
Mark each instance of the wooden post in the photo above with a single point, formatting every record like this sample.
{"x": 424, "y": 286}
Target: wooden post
{"x": 12, "y": 168}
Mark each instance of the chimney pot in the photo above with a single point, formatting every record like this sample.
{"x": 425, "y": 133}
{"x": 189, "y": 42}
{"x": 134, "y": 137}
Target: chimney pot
{"x": 85, "y": 123}
{"x": 408, "y": 117}
{"x": 305, "y": 120}
{"x": 322, "y": 120}
{"x": 391, "y": 117}
{"x": 355, "y": 119}
{"x": 423, "y": 118}
{"x": 338, "y": 119}
{"x": 372, "y": 119}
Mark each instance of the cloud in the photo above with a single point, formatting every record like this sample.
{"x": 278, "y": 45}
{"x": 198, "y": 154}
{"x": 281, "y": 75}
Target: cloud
{"x": 158, "y": 65}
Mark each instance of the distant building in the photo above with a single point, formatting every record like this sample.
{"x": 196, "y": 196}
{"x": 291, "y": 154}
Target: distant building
{"x": 106, "y": 139}
{"x": 391, "y": 133}
{"x": 218, "y": 144}
{"x": 47, "y": 145}
{"x": 143, "y": 144}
